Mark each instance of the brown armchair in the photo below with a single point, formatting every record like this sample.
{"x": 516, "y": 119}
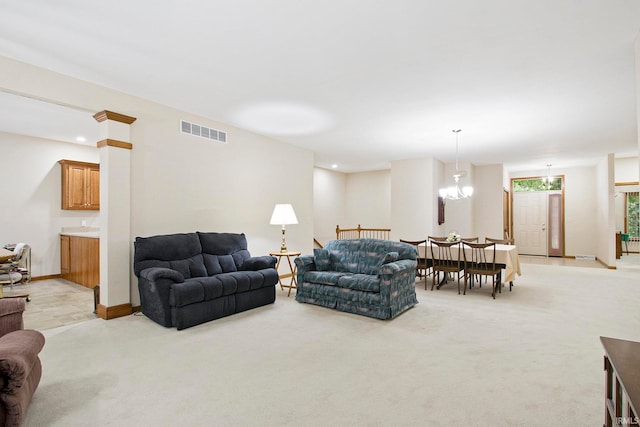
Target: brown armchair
{"x": 20, "y": 366}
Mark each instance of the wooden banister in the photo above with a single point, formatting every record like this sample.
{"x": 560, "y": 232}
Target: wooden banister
{"x": 363, "y": 233}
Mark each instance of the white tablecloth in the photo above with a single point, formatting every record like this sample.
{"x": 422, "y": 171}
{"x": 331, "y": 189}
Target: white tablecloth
{"x": 506, "y": 255}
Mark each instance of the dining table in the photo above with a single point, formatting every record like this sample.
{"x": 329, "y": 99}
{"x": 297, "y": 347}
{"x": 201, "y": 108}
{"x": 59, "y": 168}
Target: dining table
{"x": 506, "y": 255}
{"x": 6, "y": 255}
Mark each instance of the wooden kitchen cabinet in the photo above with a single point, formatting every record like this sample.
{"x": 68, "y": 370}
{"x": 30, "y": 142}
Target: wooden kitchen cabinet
{"x": 80, "y": 260}
{"x": 80, "y": 185}
{"x": 64, "y": 255}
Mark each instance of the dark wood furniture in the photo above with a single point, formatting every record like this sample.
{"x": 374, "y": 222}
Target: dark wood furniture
{"x": 501, "y": 241}
{"x": 445, "y": 260}
{"x": 622, "y": 381}
{"x": 618, "y": 245}
{"x": 424, "y": 263}
{"x": 480, "y": 260}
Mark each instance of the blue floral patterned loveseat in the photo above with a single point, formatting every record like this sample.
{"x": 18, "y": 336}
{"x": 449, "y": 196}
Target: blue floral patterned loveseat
{"x": 371, "y": 277}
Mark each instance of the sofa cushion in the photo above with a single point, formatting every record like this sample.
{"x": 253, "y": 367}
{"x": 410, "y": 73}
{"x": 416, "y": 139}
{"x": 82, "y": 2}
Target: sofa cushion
{"x": 259, "y": 263}
{"x": 386, "y": 259}
{"x": 223, "y": 252}
{"x": 345, "y": 255}
{"x": 322, "y": 259}
{"x": 363, "y": 256}
{"x": 190, "y": 267}
{"x": 185, "y": 293}
{"x": 360, "y": 282}
{"x": 181, "y": 252}
{"x": 323, "y": 277}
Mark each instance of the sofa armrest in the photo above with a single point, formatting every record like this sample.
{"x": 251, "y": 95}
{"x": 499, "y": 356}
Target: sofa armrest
{"x": 397, "y": 278}
{"x": 156, "y": 273}
{"x": 11, "y": 310}
{"x": 154, "y": 285}
{"x": 259, "y": 263}
{"x": 18, "y": 353}
{"x": 397, "y": 267}
{"x": 303, "y": 264}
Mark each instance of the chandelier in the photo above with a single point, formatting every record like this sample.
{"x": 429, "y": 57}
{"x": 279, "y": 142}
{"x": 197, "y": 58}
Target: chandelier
{"x": 455, "y": 192}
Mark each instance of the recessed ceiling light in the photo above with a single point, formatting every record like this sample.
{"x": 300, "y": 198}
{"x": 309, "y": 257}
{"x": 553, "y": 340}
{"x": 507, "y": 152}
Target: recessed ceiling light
{"x": 81, "y": 139}
{"x": 334, "y": 166}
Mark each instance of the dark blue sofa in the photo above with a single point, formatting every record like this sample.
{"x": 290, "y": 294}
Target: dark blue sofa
{"x": 192, "y": 278}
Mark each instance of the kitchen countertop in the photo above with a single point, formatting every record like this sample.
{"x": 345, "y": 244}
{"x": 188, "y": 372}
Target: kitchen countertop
{"x": 91, "y": 232}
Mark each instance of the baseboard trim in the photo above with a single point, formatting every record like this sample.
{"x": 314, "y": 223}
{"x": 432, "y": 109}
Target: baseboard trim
{"x": 113, "y": 312}
{"x": 610, "y": 267}
{"x": 49, "y": 276}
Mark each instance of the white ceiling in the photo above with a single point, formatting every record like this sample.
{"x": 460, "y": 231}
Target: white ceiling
{"x": 362, "y": 83}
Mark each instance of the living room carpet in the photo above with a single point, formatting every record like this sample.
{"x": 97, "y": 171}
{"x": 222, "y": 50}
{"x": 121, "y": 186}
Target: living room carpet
{"x": 531, "y": 357}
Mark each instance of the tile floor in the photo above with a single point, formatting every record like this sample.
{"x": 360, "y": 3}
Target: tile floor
{"x": 53, "y": 303}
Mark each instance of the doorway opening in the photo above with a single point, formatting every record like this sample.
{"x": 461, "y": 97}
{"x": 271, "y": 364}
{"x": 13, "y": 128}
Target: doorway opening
{"x": 538, "y": 215}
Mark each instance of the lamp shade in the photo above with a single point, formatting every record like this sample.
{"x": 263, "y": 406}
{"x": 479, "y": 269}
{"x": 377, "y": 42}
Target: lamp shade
{"x": 283, "y": 214}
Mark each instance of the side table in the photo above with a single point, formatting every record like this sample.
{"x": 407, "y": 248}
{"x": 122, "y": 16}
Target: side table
{"x": 292, "y": 268}
{"x": 622, "y": 382}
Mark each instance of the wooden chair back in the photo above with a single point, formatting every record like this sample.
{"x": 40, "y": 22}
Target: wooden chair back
{"x": 500, "y": 241}
{"x": 424, "y": 263}
{"x": 480, "y": 260}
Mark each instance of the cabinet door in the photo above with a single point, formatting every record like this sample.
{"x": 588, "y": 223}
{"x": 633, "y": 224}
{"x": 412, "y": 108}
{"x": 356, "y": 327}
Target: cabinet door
{"x": 64, "y": 255}
{"x": 76, "y": 187}
{"x": 84, "y": 261}
{"x": 80, "y": 185}
{"x": 93, "y": 188}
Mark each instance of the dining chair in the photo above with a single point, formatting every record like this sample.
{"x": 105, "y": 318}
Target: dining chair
{"x": 480, "y": 260}
{"x": 424, "y": 263}
{"x": 469, "y": 239}
{"x": 18, "y": 268}
{"x": 437, "y": 238}
{"x": 507, "y": 241}
{"x": 446, "y": 258}
{"x": 625, "y": 240}
{"x": 500, "y": 241}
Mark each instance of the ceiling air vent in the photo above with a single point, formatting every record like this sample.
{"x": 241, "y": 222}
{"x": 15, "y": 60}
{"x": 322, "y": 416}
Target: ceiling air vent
{"x": 203, "y": 131}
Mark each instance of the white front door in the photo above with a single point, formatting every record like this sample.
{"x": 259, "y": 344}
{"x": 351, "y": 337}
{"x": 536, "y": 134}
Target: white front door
{"x": 529, "y": 222}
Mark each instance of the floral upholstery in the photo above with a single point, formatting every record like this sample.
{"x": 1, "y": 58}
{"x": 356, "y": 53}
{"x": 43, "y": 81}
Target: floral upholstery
{"x": 371, "y": 277}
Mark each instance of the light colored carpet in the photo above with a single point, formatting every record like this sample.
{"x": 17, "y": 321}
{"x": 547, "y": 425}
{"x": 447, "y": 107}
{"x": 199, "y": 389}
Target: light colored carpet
{"x": 532, "y": 357}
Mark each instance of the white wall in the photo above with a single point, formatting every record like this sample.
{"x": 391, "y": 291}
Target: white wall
{"x": 30, "y": 209}
{"x": 626, "y": 170}
{"x": 181, "y": 183}
{"x": 605, "y": 211}
{"x": 329, "y": 199}
{"x": 368, "y": 200}
{"x": 487, "y": 202}
{"x": 414, "y": 202}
